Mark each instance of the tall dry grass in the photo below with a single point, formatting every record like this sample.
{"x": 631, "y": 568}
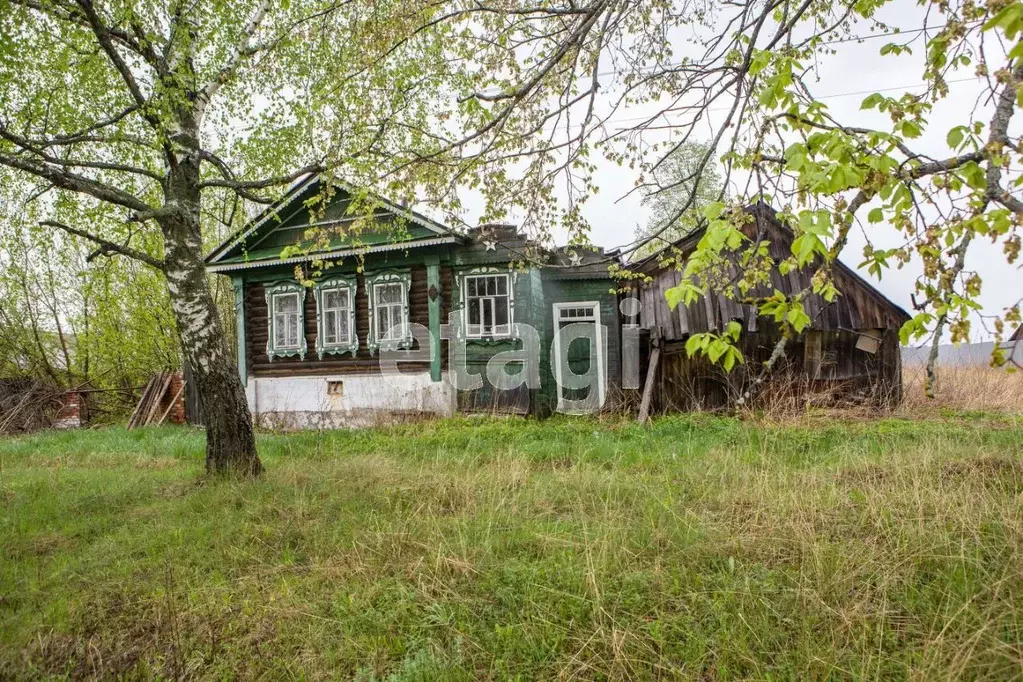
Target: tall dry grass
{"x": 965, "y": 387}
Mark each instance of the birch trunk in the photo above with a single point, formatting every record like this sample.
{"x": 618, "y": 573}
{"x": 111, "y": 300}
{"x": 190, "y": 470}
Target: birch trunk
{"x": 230, "y": 441}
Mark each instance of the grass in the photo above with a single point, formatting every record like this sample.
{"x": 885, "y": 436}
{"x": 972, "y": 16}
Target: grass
{"x": 700, "y": 548}
{"x": 962, "y": 388}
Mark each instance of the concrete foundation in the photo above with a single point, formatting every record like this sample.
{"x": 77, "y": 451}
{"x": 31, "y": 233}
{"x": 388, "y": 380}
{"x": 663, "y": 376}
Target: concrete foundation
{"x": 347, "y": 401}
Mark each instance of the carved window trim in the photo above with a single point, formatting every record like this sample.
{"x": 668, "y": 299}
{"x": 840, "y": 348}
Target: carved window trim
{"x": 404, "y": 340}
{"x": 351, "y": 345}
{"x": 461, "y": 282}
{"x": 279, "y": 291}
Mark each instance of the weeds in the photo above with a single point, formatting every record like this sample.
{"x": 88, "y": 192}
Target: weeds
{"x": 703, "y": 547}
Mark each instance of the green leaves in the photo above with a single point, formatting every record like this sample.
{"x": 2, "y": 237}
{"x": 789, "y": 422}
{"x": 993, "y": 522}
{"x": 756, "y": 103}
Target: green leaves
{"x": 685, "y": 293}
{"x": 915, "y": 328}
{"x": 786, "y": 311}
{"x": 956, "y": 136}
{"x": 872, "y": 101}
{"x": 1009, "y": 19}
{"x": 895, "y": 49}
{"x": 719, "y": 349}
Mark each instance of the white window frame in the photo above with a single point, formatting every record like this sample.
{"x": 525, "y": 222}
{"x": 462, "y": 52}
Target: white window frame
{"x": 462, "y": 282}
{"x": 279, "y": 291}
{"x": 498, "y": 331}
{"x": 404, "y": 338}
{"x": 351, "y": 344}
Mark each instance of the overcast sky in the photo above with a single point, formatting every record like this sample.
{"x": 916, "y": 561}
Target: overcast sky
{"x": 843, "y": 80}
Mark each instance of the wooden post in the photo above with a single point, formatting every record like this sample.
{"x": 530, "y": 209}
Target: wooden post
{"x": 435, "y": 296}
{"x": 651, "y": 376}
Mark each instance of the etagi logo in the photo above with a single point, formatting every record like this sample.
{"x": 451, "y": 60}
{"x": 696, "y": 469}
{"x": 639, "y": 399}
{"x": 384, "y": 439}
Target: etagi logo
{"x": 577, "y": 353}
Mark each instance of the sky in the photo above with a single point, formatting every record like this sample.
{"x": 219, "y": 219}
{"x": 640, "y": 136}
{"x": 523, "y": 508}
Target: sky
{"x": 842, "y": 81}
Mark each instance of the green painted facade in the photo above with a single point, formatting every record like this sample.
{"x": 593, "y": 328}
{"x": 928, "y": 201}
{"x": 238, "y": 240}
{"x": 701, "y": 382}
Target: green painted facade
{"x": 253, "y": 260}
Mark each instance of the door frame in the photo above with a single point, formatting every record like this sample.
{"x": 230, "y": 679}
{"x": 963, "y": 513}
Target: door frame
{"x": 598, "y": 338}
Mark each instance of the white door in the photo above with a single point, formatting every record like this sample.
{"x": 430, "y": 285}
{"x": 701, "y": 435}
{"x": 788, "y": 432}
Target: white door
{"x": 580, "y": 345}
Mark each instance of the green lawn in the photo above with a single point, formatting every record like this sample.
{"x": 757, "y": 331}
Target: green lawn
{"x": 701, "y": 548}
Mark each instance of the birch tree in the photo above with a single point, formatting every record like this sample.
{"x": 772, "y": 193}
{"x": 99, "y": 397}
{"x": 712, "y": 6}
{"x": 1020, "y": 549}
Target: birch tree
{"x": 140, "y": 119}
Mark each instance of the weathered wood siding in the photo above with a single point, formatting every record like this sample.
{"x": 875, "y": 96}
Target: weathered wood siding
{"x": 256, "y": 331}
{"x": 859, "y": 306}
{"x": 824, "y": 359}
{"x": 825, "y": 364}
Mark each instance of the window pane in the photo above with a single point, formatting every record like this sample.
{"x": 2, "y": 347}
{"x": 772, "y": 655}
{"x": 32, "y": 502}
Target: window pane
{"x": 502, "y": 286}
{"x": 389, "y": 322}
{"x": 471, "y": 286}
{"x": 388, "y": 293}
{"x": 488, "y": 314}
{"x": 280, "y": 330}
{"x": 332, "y": 298}
{"x": 330, "y": 326}
{"x": 474, "y": 311}
{"x": 342, "y": 333}
{"x": 287, "y": 303}
{"x": 292, "y": 330}
{"x": 501, "y": 310}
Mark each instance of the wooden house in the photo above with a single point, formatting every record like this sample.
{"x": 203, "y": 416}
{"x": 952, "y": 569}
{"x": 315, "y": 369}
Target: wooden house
{"x": 322, "y": 315}
{"x": 312, "y": 355}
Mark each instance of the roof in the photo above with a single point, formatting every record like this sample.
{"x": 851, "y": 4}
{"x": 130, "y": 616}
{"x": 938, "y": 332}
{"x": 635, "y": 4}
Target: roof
{"x": 292, "y": 212}
{"x": 268, "y": 258}
{"x": 859, "y": 306}
{"x": 582, "y": 262}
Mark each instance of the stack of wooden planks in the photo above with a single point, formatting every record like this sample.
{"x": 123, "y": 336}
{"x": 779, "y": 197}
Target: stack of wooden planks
{"x": 148, "y": 412}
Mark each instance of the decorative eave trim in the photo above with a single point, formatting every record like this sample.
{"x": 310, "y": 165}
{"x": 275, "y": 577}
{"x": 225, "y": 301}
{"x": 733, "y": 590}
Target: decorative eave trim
{"x": 302, "y": 186}
{"x": 271, "y": 212}
{"x": 340, "y": 253}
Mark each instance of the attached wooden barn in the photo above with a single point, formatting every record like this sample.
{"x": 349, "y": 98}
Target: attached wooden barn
{"x": 310, "y": 352}
{"x": 850, "y": 352}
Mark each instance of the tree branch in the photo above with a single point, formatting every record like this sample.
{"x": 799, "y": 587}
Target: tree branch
{"x": 65, "y": 179}
{"x": 244, "y": 49}
{"x": 243, "y": 186}
{"x": 107, "y": 247}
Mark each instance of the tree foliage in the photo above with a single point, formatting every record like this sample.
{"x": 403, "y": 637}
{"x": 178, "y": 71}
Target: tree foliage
{"x": 674, "y": 182}
{"x": 141, "y": 122}
{"x": 542, "y": 89}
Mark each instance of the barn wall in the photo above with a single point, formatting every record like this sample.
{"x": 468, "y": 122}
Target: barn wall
{"x": 824, "y": 367}
{"x": 859, "y": 306}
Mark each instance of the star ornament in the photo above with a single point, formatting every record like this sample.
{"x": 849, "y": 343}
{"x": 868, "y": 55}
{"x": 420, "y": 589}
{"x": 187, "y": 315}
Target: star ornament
{"x": 490, "y": 244}
{"x": 575, "y": 258}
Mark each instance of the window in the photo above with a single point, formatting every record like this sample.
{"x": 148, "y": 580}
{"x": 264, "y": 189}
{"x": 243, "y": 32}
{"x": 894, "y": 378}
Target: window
{"x": 487, "y": 305}
{"x": 286, "y": 317}
{"x": 335, "y": 316}
{"x": 336, "y": 305}
{"x": 389, "y": 304}
{"x": 388, "y": 310}
{"x": 286, "y": 333}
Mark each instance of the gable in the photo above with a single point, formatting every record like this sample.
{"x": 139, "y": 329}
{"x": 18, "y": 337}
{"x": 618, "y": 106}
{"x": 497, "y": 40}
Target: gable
{"x": 300, "y": 217}
{"x": 859, "y": 306}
